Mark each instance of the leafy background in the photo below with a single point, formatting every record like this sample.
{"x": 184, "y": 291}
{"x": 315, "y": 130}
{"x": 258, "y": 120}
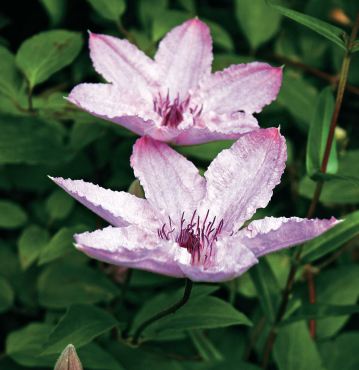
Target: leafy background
{"x": 52, "y": 295}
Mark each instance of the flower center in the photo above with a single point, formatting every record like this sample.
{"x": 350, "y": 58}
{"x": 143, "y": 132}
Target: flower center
{"x": 172, "y": 112}
{"x": 196, "y": 235}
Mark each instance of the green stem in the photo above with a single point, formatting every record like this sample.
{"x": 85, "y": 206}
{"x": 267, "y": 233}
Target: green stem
{"x": 166, "y": 312}
{"x": 319, "y": 187}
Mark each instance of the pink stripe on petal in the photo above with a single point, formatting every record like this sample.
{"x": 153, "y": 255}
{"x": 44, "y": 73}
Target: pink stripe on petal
{"x": 117, "y": 207}
{"x": 271, "y": 234}
{"x": 172, "y": 184}
{"x": 122, "y": 63}
{"x": 243, "y": 87}
{"x": 184, "y": 57}
{"x": 241, "y": 179}
{"x": 130, "y": 247}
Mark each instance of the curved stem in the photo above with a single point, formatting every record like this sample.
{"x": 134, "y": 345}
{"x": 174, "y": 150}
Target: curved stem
{"x": 166, "y": 312}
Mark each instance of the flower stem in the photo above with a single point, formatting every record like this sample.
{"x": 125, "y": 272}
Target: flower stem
{"x": 319, "y": 187}
{"x": 166, "y": 312}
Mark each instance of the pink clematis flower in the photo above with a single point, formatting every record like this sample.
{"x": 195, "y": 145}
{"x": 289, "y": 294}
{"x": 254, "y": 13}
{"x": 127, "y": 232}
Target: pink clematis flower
{"x": 189, "y": 225}
{"x": 175, "y": 98}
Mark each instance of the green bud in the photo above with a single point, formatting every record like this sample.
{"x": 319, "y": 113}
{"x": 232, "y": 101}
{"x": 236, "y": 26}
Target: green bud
{"x": 68, "y": 360}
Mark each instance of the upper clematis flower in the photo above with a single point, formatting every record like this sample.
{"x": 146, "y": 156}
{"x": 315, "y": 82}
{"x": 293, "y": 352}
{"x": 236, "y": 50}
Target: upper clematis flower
{"x": 175, "y": 98}
{"x": 189, "y": 225}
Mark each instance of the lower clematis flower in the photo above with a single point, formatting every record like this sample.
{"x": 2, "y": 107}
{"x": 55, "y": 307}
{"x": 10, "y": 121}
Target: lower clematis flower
{"x": 189, "y": 225}
{"x": 175, "y": 97}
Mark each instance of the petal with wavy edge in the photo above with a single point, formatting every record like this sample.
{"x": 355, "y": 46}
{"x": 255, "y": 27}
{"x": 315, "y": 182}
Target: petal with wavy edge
{"x": 122, "y": 63}
{"x": 184, "y": 57}
{"x": 131, "y": 247}
{"x": 271, "y": 234}
{"x": 117, "y": 207}
{"x": 231, "y": 260}
{"x": 242, "y": 87}
{"x": 171, "y": 183}
{"x": 241, "y": 179}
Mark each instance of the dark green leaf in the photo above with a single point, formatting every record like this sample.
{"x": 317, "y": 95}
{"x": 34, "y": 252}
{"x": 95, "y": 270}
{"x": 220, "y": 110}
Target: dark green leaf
{"x": 318, "y": 134}
{"x": 30, "y": 140}
{"x": 31, "y": 243}
{"x": 165, "y": 20}
{"x": 332, "y": 33}
{"x": 10, "y": 78}
{"x": 207, "y": 151}
{"x": 79, "y": 326}
{"x": 6, "y": 295}
{"x": 294, "y": 349}
{"x": 60, "y": 284}
{"x": 205, "y": 347}
{"x": 220, "y": 36}
{"x": 12, "y": 215}
{"x": 56, "y": 10}
{"x": 59, "y": 205}
{"x": 109, "y": 9}
{"x": 257, "y": 20}
{"x": 46, "y": 53}
{"x": 267, "y": 288}
{"x": 332, "y": 239}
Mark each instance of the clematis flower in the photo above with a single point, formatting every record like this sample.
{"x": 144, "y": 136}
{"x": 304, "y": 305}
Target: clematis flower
{"x": 189, "y": 225}
{"x": 175, "y": 98}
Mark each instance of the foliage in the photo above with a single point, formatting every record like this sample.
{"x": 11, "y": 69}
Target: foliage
{"x": 51, "y": 295}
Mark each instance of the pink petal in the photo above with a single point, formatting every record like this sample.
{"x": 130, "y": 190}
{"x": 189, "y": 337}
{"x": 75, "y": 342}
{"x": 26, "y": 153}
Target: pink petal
{"x": 116, "y": 207}
{"x": 241, "y": 179}
{"x": 122, "y": 63}
{"x": 172, "y": 184}
{"x": 242, "y": 87}
{"x": 130, "y": 247}
{"x": 216, "y": 127}
{"x": 110, "y": 103}
{"x": 272, "y": 234}
{"x": 232, "y": 259}
{"x": 184, "y": 57}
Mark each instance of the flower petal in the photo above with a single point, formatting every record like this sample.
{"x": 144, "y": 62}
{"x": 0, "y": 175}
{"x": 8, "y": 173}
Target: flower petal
{"x": 232, "y": 259}
{"x": 272, "y": 234}
{"x": 130, "y": 247}
{"x": 241, "y": 179}
{"x": 184, "y": 57}
{"x": 171, "y": 183}
{"x": 110, "y": 103}
{"x": 242, "y": 87}
{"x": 116, "y": 207}
{"x": 122, "y": 63}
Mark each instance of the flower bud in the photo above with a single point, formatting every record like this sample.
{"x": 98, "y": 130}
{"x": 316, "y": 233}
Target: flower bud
{"x": 338, "y": 15}
{"x": 68, "y": 360}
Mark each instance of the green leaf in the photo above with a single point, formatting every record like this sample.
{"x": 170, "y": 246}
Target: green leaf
{"x": 320, "y": 311}
{"x": 341, "y": 352}
{"x": 79, "y": 326}
{"x": 294, "y": 349}
{"x": 56, "y": 10}
{"x": 318, "y": 135}
{"x": 6, "y": 295}
{"x": 30, "y": 140}
{"x": 59, "y": 205}
{"x": 109, "y": 9}
{"x": 60, "y": 244}
{"x": 332, "y": 33}
{"x": 10, "y": 77}
{"x": 84, "y": 133}
{"x": 206, "y": 151}
{"x": 94, "y": 357}
{"x": 220, "y": 36}
{"x": 24, "y": 345}
{"x": 332, "y": 239}
{"x": 267, "y": 288}
{"x": 200, "y": 313}
{"x": 297, "y": 96}
{"x": 205, "y": 347}
{"x": 42, "y": 55}
{"x": 31, "y": 242}
{"x": 338, "y": 286}
{"x": 257, "y": 20}
{"x": 355, "y": 47}
{"x": 12, "y": 215}
{"x": 60, "y": 284}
